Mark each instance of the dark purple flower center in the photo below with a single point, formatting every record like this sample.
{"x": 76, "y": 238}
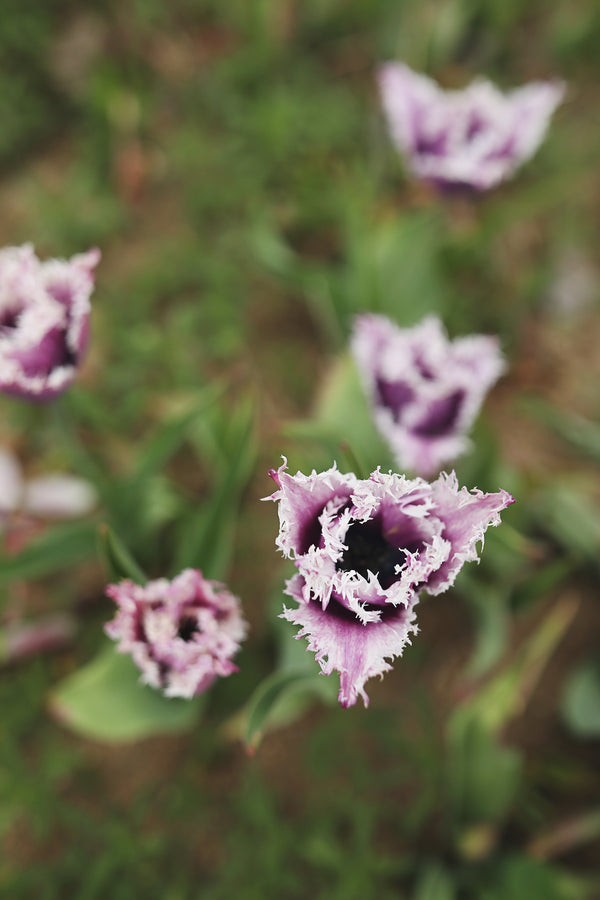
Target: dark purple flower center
{"x": 341, "y": 612}
{"x": 424, "y": 370}
{"x": 188, "y": 627}
{"x": 67, "y": 357}
{"x": 50, "y": 353}
{"x": 164, "y": 671}
{"x": 504, "y": 151}
{"x": 475, "y": 126}
{"x": 310, "y": 535}
{"x": 9, "y": 319}
{"x": 394, "y": 395}
{"x": 139, "y": 627}
{"x": 442, "y": 415}
{"x": 431, "y": 146}
{"x": 369, "y": 551}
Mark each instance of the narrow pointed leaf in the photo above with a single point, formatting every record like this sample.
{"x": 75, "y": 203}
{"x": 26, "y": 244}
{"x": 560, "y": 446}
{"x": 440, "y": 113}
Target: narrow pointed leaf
{"x": 60, "y": 547}
{"x": 266, "y": 702}
{"x": 119, "y": 561}
{"x": 207, "y": 534}
{"x": 581, "y": 433}
{"x": 505, "y": 695}
{"x": 170, "y": 436}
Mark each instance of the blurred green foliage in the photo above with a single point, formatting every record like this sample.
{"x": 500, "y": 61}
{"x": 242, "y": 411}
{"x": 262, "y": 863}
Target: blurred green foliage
{"x": 230, "y": 160}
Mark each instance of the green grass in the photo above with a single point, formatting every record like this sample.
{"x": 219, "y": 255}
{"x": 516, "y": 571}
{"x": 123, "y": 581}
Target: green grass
{"x": 230, "y": 160}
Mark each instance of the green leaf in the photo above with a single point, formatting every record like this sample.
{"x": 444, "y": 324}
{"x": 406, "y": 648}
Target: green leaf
{"x": 207, "y": 533}
{"x": 292, "y": 653}
{"x": 342, "y": 418}
{"x": 523, "y": 878}
{"x": 490, "y": 606}
{"x": 170, "y": 436}
{"x": 434, "y": 883}
{"x": 566, "y": 512}
{"x": 106, "y": 701}
{"x": 118, "y": 559}
{"x": 393, "y": 267}
{"x": 579, "y": 432}
{"x": 310, "y": 279}
{"x": 447, "y": 27}
{"x": 475, "y": 753}
{"x": 580, "y": 704}
{"x": 60, "y": 547}
{"x": 505, "y": 694}
{"x": 267, "y": 702}
{"x": 542, "y": 583}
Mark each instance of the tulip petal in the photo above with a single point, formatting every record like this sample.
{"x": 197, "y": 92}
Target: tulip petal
{"x": 473, "y": 138}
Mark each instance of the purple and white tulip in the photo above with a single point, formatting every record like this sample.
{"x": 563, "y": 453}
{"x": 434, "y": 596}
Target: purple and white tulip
{"x": 181, "y": 634}
{"x": 472, "y": 138}
{"x": 424, "y": 389}
{"x": 364, "y": 549}
{"x": 44, "y": 320}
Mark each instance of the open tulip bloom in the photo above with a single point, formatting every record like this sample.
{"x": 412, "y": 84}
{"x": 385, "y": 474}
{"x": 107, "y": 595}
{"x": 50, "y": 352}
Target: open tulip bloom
{"x": 472, "y": 138}
{"x": 364, "y": 549}
{"x": 44, "y": 320}
{"x": 181, "y": 634}
{"x": 425, "y": 390}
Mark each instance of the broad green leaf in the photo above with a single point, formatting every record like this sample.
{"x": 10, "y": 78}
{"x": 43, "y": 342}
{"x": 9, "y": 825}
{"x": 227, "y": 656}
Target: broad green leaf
{"x": 106, "y": 701}
{"x": 393, "y": 268}
{"x": 265, "y": 705}
{"x": 434, "y": 883}
{"x": 118, "y": 559}
{"x": 523, "y": 878}
{"x": 580, "y": 703}
{"x": 61, "y": 547}
{"x": 342, "y": 418}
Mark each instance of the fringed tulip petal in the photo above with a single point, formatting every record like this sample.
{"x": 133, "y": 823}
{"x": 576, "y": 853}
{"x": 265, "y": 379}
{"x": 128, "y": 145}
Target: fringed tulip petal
{"x": 425, "y": 390}
{"x": 364, "y": 552}
{"x": 181, "y": 634}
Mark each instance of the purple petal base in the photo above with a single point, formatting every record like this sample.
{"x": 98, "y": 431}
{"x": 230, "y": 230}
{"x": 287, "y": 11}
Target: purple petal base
{"x": 44, "y": 320}
{"x": 342, "y": 644}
